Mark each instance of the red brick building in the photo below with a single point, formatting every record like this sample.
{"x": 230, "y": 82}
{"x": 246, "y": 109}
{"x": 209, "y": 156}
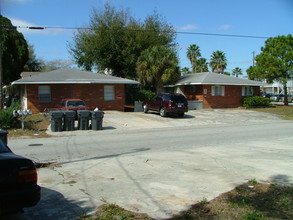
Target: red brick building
{"x": 214, "y": 90}
{"x": 46, "y": 89}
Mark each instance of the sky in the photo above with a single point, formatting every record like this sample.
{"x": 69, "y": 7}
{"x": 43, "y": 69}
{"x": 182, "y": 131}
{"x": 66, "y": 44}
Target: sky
{"x": 260, "y": 18}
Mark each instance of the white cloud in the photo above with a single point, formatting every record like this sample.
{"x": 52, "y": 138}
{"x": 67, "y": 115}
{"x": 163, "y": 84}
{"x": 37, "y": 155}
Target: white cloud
{"x": 188, "y": 27}
{"x": 224, "y": 27}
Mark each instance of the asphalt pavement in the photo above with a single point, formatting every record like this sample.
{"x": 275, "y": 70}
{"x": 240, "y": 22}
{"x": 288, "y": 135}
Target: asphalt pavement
{"x": 154, "y": 165}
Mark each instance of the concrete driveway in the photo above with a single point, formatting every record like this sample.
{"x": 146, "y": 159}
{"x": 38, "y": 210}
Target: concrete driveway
{"x": 115, "y": 121}
{"x": 216, "y": 151}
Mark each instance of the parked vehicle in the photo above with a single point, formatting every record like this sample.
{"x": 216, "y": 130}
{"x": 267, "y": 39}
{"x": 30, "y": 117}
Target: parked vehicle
{"x": 281, "y": 98}
{"x": 167, "y": 103}
{"x": 72, "y": 104}
{"x": 18, "y": 181}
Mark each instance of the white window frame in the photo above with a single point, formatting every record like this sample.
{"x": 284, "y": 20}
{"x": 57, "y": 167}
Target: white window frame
{"x": 247, "y": 91}
{"x": 109, "y": 93}
{"x": 44, "y": 94}
{"x": 218, "y": 90}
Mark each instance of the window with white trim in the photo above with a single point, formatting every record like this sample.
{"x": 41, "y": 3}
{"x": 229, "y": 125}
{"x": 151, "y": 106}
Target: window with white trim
{"x": 109, "y": 93}
{"x": 218, "y": 90}
{"x": 247, "y": 91}
{"x": 44, "y": 94}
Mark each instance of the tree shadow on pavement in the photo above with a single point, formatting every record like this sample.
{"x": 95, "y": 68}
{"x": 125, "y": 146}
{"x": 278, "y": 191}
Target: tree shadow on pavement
{"x": 53, "y": 205}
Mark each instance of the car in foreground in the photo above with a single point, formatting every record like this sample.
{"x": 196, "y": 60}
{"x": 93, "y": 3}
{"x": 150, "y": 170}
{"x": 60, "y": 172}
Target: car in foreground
{"x": 167, "y": 103}
{"x": 18, "y": 182}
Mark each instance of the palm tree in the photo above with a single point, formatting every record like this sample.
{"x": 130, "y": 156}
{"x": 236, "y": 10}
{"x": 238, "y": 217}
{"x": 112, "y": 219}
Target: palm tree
{"x": 158, "y": 65}
{"x": 218, "y": 62}
{"x": 193, "y": 52}
{"x": 185, "y": 70}
{"x": 201, "y": 65}
{"x": 237, "y": 71}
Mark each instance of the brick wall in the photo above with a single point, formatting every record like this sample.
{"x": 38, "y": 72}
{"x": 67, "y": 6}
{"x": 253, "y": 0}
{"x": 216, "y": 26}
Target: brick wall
{"x": 232, "y": 99}
{"x": 91, "y": 94}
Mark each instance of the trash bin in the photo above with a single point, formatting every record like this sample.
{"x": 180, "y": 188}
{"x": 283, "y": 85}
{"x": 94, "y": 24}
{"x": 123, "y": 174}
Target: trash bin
{"x": 3, "y": 136}
{"x": 83, "y": 119}
{"x": 69, "y": 119}
{"x": 97, "y": 120}
{"x": 56, "y": 120}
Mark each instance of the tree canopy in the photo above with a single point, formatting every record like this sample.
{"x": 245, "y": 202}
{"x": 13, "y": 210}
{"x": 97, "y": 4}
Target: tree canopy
{"x": 157, "y": 66}
{"x": 237, "y": 71}
{"x": 275, "y": 62}
{"x": 15, "y": 52}
{"x": 115, "y": 40}
{"x": 218, "y": 62}
{"x": 33, "y": 64}
{"x": 193, "y": 52}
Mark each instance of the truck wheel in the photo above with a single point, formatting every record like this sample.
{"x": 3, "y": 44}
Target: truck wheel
{"x": 145, "y": 109}
{"x": 163, "y": 112}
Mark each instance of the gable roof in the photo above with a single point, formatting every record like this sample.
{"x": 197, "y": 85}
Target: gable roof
{"x": 72, "y": 76}
{"x": 209, "y": 78}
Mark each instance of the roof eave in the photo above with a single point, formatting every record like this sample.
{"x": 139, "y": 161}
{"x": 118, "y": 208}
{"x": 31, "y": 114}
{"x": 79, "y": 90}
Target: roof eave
{"x": 73, "y": 82}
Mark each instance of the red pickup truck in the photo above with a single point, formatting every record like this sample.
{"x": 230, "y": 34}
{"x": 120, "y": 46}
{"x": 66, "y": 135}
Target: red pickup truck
{"x": 72, "y": 104}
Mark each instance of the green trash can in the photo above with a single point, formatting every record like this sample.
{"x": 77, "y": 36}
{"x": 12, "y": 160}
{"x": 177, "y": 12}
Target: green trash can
{"x": 69, "y": 119}
{"x": 83, "y": 119}
{"x": 97, "y": 120}
{"x": 3, "y": 136}
{"x": 56, "y": 120}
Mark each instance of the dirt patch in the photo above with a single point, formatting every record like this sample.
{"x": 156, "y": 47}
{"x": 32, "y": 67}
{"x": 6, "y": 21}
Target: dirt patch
{"x": 251, "y": 200}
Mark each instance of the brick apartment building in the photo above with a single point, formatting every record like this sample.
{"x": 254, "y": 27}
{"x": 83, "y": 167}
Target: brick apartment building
{"x": 214, "y": 90}
{"x": 46, "y": 89}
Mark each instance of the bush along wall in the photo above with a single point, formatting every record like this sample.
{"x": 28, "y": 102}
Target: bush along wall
{"x": 256, "y": 102}
{"x": 7, "y": 120}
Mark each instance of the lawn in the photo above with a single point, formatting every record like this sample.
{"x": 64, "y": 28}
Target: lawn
{"x": 284, "y": 112}
{"x": 35, "y": 125}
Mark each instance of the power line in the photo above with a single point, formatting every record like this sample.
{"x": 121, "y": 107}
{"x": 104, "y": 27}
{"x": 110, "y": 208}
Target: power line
{"x": 177, "y": 32}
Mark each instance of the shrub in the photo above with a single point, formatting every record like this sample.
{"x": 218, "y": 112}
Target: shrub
{"x": 6, "y": 117}
{"x": 256, "y": 101}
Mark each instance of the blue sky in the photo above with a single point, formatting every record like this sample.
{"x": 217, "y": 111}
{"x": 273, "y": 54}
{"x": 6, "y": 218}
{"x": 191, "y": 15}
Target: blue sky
{"x": 264, "y": 18}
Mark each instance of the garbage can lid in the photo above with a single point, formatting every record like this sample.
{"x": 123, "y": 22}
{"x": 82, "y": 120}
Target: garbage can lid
{"x": 56, "y": 113}
{"x": 69, "y": 113}
{"x": 84, "y": 113}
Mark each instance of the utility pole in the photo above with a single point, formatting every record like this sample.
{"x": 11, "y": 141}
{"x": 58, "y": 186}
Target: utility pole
{"x": 253, "y": 61}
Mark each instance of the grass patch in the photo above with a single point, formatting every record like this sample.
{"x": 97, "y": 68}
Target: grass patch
{"x": 35, "y": 125}
{"x": 246, "y": 202}
{"x": 284, "y": 112}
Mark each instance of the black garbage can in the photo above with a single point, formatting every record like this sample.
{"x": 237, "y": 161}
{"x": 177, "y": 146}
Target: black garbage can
{"x": 3, "y": 136}
{"x": 56, "y": 120}
{"x": 97, "y": 120}
{"x": 69, "y": 118}
{"x": 83, "y": 119}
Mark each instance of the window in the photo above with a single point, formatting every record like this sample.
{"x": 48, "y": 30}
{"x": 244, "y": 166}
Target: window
{"x": 247, "y": 91}
{"x": 109, "y": 93}
{"x": 192, "y": 89}
{"x": 218, "y": 90}
{"x": 44, "y": 94}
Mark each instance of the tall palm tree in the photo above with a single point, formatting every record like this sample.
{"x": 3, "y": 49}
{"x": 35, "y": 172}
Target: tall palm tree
{"x": 237, "y": 71}
{"x": 218, "y": 62}
{"x": 193, "y": 52}
{"x": 201, "y": 65}
{"x": 158, "y": 65}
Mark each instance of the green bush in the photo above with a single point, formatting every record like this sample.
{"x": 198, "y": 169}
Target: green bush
{"x": 256, "y": 101}
{"x": 6, "y": 117}
{"x": 145, "y": 94}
